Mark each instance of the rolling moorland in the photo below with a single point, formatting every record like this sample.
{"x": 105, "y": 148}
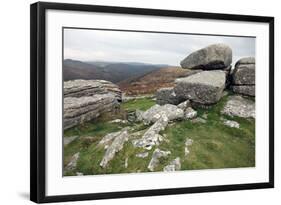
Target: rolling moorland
{"x": 159, "y": 117}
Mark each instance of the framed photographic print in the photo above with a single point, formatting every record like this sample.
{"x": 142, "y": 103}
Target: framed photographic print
{"x": 129, "y": 102}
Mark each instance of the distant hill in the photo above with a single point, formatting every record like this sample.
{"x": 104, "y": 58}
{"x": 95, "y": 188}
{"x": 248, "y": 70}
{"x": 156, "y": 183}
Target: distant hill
{"x": 152, "y": 81}
{"x": 111, "y": 71}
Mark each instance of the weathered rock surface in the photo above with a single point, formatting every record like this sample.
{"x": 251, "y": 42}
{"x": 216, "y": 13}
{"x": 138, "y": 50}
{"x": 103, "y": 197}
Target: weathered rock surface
{"x": 73, "y": 162}
{"x": 107, "y": 139}
{"x": 78, "y": 110}
{"x": 82, "y": 88}
{"x": 167, "y": 96}
{"x": 67, "y": 140}
{"x": 244, "y": 74}
{"x": 243, "y": 77}
{"x": 189, "y": 113}
{"x": 213, "y": 57}
{"x": 174, "y": 165}
{"x": 199, "y": 120}
{"x": 245, "y": 89}
{"x": 172, "y": 112}
{"x": 152, "y": 137}
{"x": 184, "y": 105}
{"x": 115, "y": 147}
{"x": 204, "y": 88}
{"x": 155, "y": 158}
{"x": 239, "y": 106}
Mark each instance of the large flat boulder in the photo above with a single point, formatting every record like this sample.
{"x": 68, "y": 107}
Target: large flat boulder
{"x": 204, "y": 88}
{"x": 78, "y": 110}
{"x": 82, "y": 88}
{"x": 213, "y": 57}
{"x": 240, "y": 107}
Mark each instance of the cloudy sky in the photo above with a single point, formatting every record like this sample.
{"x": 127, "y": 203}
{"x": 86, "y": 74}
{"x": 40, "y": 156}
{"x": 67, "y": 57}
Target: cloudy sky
{"x": 155, "y": 48}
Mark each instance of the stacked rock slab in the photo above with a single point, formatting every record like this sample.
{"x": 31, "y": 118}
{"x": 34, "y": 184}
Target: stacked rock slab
{"x": 206, "y": 86}
{"x": 213, "y": 57}
{"x": 203, "y": 88}
{"x": 85, "y": 100}
{"x": 243, "y": 77}
{"x": 82, "y": 88}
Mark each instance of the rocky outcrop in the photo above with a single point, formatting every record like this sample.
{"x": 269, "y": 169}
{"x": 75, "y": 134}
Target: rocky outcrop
{"x": 204, "y": 88}
{"x": 167, "y": 96}
{"x": 85, "y": 100}
{"x": 153, "y": 114}
{"x": 82, "y": 88}
{"x": 243, "y": 76}
{"x": 157, "y": 154}
{"x": 115, "y": 147}
{"x": 240, "y": 107}
{"x": 213, "y": 57}
{"x": 78, "y": 110}
{"x": 152, "y": 137}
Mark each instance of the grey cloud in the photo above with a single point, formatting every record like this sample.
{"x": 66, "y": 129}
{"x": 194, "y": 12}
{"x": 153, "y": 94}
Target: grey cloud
{"x": 92, "y": 45}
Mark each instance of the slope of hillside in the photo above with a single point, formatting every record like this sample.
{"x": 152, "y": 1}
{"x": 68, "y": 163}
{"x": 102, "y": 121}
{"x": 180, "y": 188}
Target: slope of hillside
{"x": 152, "y": 81}
{"x": 111, "y": 71}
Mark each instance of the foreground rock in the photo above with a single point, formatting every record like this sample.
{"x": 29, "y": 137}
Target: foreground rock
{"x": 213, "y": 57}
{"x": 82, "y": 109}
{"x": 243, "y": 77}
{"x": 171, "y": 112}
{"x": 73, "y": 162}
{"x": 115, "y": 147}
{"x": 204, "y": 88}
{"x": 167, "y": 96}
{"x": 157, "y": 154}
{"x": 240, "y": 107}
{"x": 152, "y": 137}
{"x": 81, "y": 88}
{"x": 189, "y": 113}
{"x": 174, "y": 165}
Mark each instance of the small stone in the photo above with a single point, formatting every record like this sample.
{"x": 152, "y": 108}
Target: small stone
{"x": 188, "y": 143}
{"x": 126, "y": 163}
{"x": 231, "y": 123}
{"x": 142, "y": 155}
{"x": 79, "y": 174}
{"x": 174, "y": 165}
{"x": 199, "y": 120}
{"x": 155, "y": 158}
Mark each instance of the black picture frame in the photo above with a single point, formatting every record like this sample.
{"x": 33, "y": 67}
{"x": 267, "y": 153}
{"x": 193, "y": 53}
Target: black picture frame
{"x": 38, "y": 101}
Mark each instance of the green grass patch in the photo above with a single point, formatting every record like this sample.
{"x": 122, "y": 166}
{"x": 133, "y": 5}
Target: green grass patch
{"x": 140, "y": 104}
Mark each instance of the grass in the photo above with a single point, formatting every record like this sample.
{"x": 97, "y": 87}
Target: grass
{"x": 140, "y": 104}
{"x": 214, "y": 144}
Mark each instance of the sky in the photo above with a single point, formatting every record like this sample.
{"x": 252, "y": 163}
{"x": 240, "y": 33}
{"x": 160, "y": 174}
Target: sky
{"x": 154, "y": 48}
